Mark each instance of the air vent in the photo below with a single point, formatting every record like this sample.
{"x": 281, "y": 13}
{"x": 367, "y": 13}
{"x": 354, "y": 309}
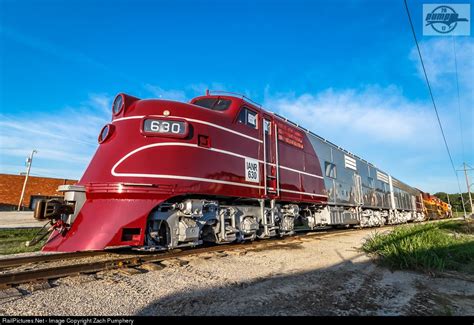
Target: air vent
{"x": 350, "y": 162}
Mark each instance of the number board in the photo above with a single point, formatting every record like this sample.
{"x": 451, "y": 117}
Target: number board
{"x": 251, "y": 170}
{"x": 165, "y": 127}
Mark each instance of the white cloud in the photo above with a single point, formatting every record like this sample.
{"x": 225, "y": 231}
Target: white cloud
{"x": 65, "y": 139}
{"x": 377, "y": 115}
{"x": 439, "y": 60}
{"x": 100, "y": 101}
{"x": 438, "y": 56}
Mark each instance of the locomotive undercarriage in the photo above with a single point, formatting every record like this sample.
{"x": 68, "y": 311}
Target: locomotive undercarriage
{"x": 368, "y": 217}
{"x": 192, "y": 222}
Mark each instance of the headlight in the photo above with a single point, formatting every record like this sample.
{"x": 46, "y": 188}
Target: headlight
{"x": 118, "y": 104}
{"x": 105, "y": 133}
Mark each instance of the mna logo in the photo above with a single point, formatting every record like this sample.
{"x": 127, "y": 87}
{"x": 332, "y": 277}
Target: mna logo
{"x": 443, "y": 19}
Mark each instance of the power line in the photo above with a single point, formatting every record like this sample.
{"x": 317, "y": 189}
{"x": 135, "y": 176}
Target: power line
{"x": 433, "y": 101}
{"x": 429, "y": 86}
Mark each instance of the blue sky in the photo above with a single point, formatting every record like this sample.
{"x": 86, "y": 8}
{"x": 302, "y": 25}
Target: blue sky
{"x": 347, "y": 70}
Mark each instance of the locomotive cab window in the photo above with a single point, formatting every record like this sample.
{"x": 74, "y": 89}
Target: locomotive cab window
{"x": 215, "y": 104}
{"x": 330, "y": 169}
{"x": 248, "y": 117}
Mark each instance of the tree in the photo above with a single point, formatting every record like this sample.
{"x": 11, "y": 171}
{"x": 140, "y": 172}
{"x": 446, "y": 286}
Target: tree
{"x": 455, "y": 200}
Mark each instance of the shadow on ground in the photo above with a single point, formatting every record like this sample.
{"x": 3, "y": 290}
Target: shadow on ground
{"x": 347, "y": 288}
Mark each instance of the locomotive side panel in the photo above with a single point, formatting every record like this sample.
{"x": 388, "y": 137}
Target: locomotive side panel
{"x": 361, "y": 193}
{"x": 345, "y": 176}
{"x": 340, "y": 182}
{"x": 372, "y": 196}
{"x": 300, "y": 174}
{"x": 379, "y": 189}
{"x": 290, "y": 157}
{"x": 328, "y": 168}
{"x": 405, "y": 196}
{"x": 368, "y": 198}
{"x": 312, "y": 180}
{"x": 345, "y": 187}
{"x": 382, "y": 188}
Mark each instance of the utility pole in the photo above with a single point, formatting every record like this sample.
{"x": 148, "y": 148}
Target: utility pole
{"x": 449, "y": 202}
{"x": 29, "y": 160}
{"x": 468, "y": 187}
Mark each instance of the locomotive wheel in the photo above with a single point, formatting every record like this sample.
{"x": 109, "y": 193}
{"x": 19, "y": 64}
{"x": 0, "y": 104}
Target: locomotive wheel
{"x": 164, "y": 235}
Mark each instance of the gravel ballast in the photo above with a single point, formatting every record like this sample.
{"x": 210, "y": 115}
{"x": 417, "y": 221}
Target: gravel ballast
{"x": 311, "y": 276}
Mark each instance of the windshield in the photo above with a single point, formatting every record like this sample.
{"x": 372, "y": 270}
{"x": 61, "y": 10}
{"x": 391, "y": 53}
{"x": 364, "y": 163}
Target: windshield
{"x": 215, "y": 104}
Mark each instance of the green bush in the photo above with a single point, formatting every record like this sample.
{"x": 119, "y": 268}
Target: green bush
{"x": 435, "y": 246}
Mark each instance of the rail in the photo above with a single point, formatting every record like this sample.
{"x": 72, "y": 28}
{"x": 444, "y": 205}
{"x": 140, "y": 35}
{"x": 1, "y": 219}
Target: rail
{"x": 16, "y": 261}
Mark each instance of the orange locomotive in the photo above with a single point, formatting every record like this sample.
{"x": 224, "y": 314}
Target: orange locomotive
{"x": 435, "y": 208}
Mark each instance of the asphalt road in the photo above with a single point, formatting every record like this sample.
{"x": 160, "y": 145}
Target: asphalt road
{"x": 15, "y": 219}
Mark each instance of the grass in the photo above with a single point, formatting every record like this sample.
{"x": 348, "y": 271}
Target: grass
{"x": 440, "y": 246}
{"x": 12, "y": 241}
{"x": 460, "y": 214}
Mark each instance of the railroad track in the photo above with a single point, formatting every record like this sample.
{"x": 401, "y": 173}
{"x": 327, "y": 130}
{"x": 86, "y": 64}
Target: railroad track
{"x": 117, "y": 260}
{"x": 17, "y": 261}
{"x": 125, "y": 259}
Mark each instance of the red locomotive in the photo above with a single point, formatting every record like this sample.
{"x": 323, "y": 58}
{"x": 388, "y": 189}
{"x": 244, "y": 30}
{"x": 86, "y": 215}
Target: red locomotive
{"x": 218, "y": 169}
